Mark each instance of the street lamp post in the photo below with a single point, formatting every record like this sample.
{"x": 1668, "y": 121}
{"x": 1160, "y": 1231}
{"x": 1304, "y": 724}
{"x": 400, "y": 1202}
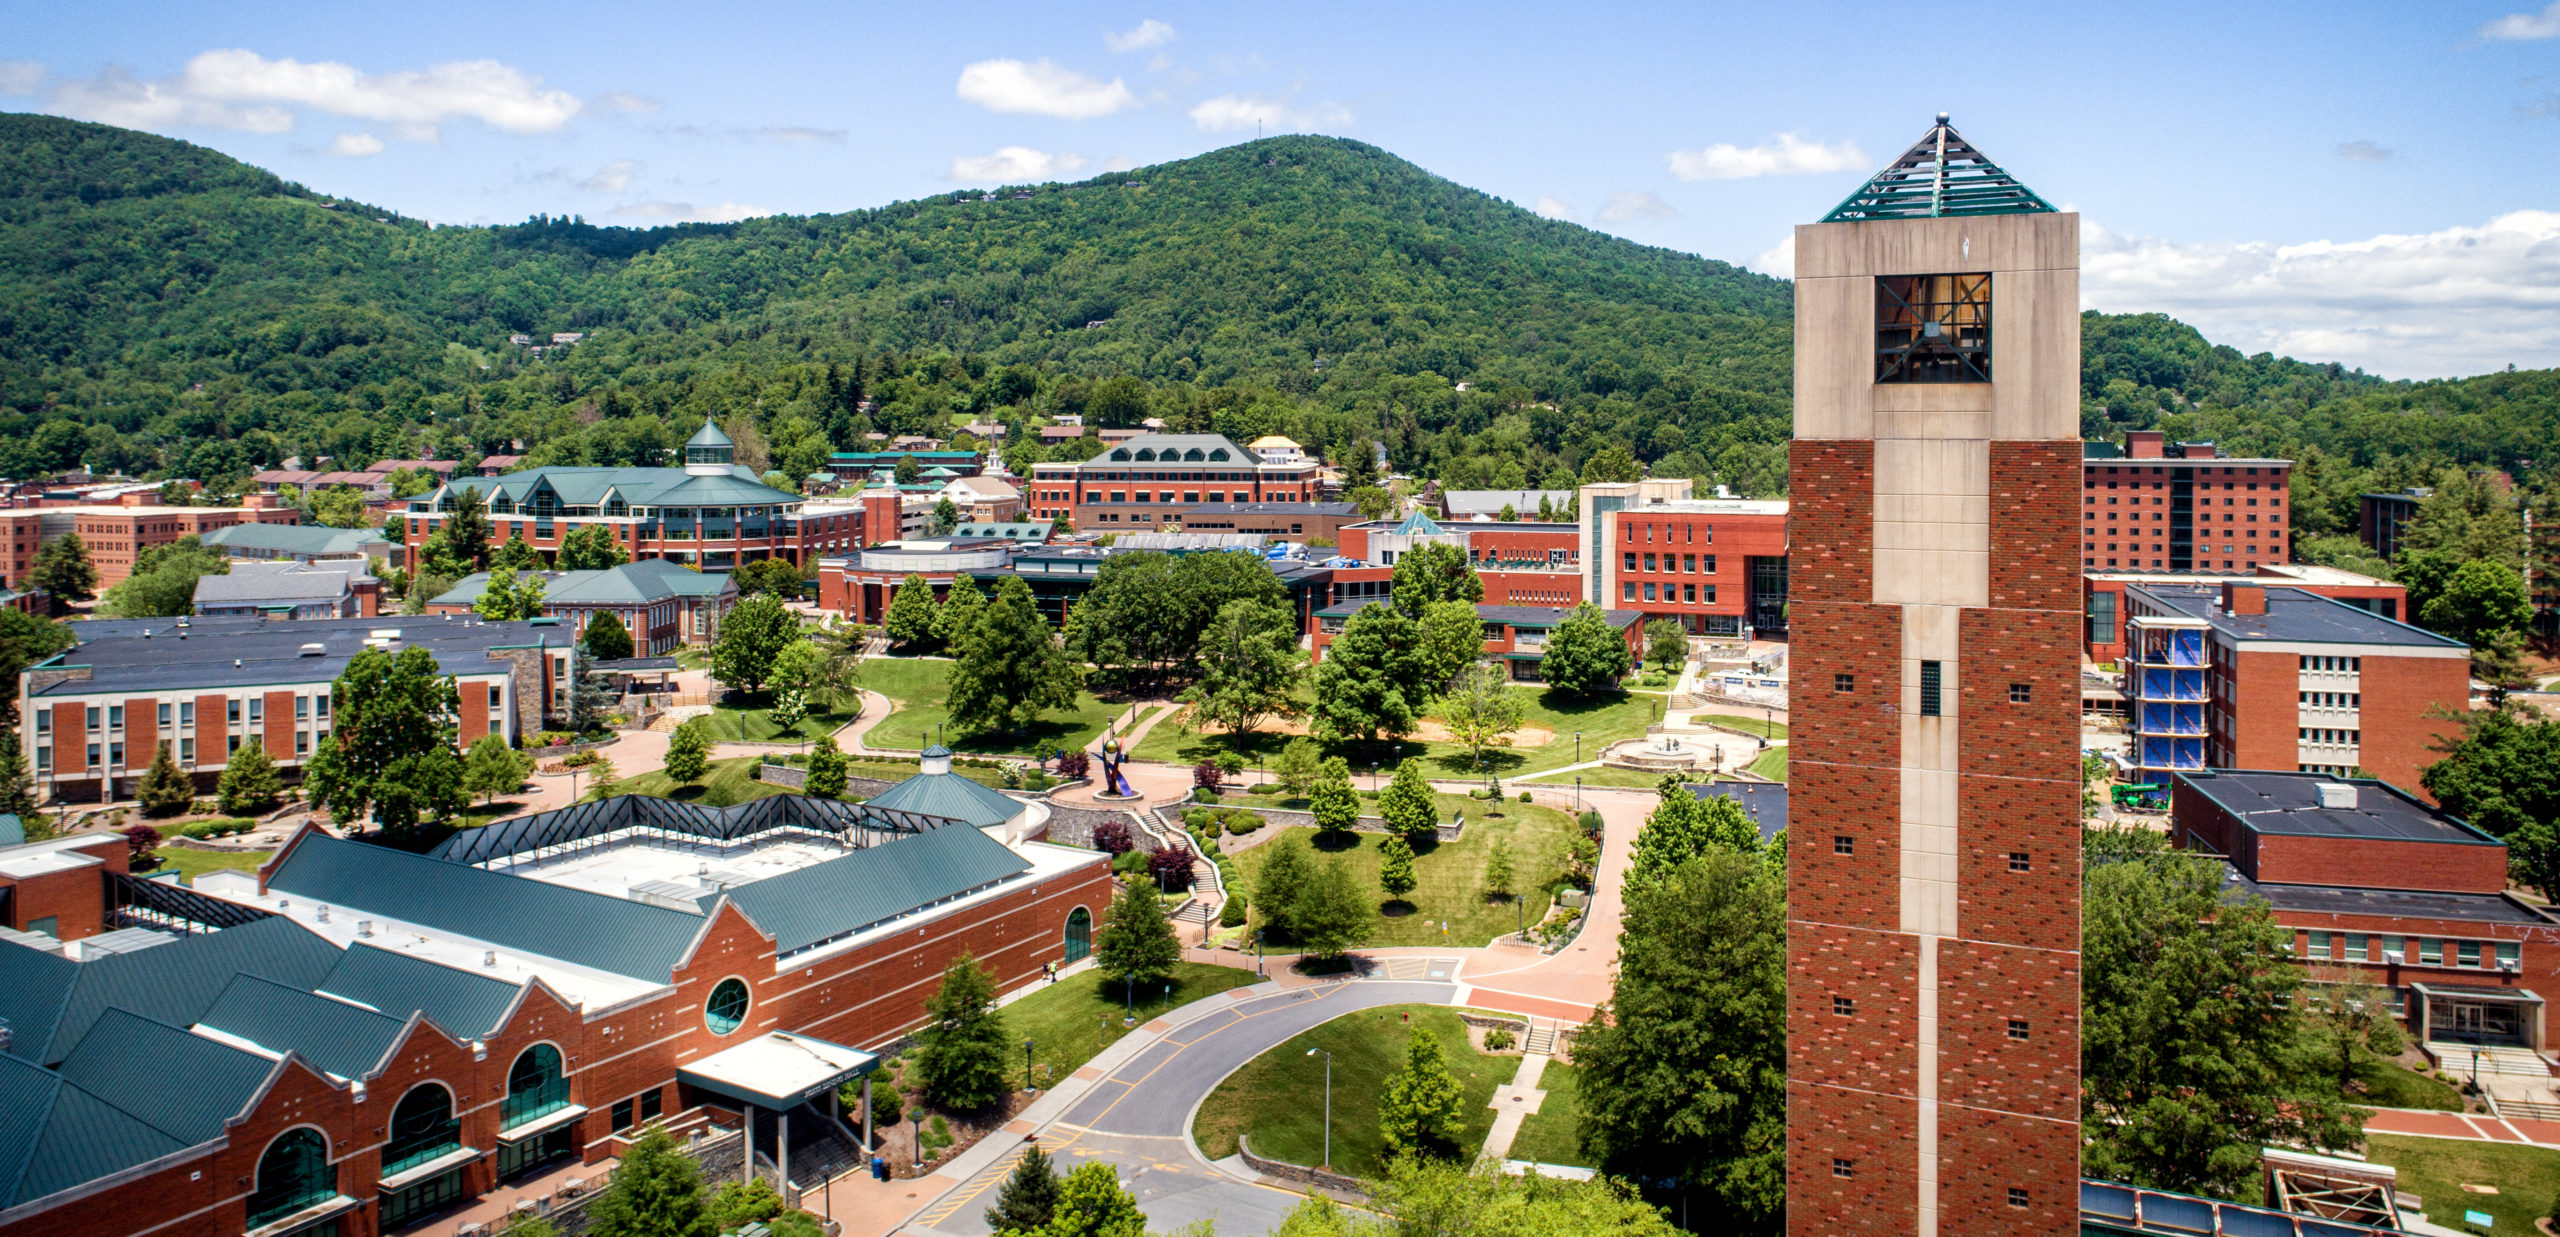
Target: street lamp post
{"x": 1026, "y": 1066}
{"x": 1577, "y": 747}
{"x": 1577, "y": 794}
{"x": 1328, "y": 1106}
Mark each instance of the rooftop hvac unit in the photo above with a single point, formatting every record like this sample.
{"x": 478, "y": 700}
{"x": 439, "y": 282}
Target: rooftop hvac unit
{"x": 364, "y": 927}
{"x": 2338, "y": 795}
{"x": 314, "y": 649}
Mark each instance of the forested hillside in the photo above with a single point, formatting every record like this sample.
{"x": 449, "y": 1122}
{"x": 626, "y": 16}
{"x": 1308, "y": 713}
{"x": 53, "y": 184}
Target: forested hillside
{"x": 167, "y": 310}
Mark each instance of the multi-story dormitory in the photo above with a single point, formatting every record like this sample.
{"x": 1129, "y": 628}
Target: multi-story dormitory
{"x": 354, "y": 1040}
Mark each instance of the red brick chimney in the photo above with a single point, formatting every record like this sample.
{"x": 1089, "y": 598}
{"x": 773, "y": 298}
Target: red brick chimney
{"x": 2238, "y": 598}
{"x": 2145, "y": 444}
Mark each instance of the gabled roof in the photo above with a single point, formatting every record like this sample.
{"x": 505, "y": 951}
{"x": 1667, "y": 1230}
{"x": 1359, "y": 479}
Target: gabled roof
{"x": 844, "y": 895}
{"x": 639, "y": 487}
{"x": 341, "y": 1038}
{"x": 1941, "y": 175}
{"x": 1418, "y": 525}
{"x": 631, "y": 584}
{"x": 54, "y": 1135}
{"x": 466, "y": 1005}
{"x": 174, "y": 983}
{"x": 949, "y": 795}
{"x": 254, "y": 582}
{"x": 184, "y": 1085}
{"x": 614, "y": 935}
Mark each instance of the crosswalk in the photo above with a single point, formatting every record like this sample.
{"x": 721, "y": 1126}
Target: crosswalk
{"x": 991, "y": 1176}
{"x": 1416, "y": 970}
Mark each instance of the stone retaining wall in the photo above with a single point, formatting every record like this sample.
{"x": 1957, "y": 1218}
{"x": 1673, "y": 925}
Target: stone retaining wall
{"x": 1299, "y": 1173}
{"x": 1292, "y": 818}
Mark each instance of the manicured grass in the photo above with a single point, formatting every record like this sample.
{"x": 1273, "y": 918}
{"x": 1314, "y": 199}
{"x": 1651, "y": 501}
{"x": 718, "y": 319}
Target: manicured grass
{"x": 1073, "y": 1020}
{"x": 2436, "y": 1169}
{"x": 1278, "y": 1097}
{"x": 196, "y": 863}
{"x": 2389, "y": 1084}
{"x": 1548, "y": 1135}
{"x": 1601, "y": 720}
{"x": 727, "y": 783}
{"x": 478, "y": 813}
{"x": 919, "y": 688}
{"x": 1450, "y": 875}
{"x": 899, "y": 771}
{"x": 743, "y": 717}
{"x": 1747, "y": 725}
{"x": 1772, "y": 765}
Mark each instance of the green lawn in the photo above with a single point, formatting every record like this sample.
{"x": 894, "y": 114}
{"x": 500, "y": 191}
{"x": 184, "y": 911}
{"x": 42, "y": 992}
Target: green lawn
{"x": 1601, "y": 720}
{"x": 1747, "y": 725}
{"x": 196, "y": 863}
{"x": 2389, "y": 1084}
{"x": 1073, "y": 1020}
{"x": 727, "y": 783}
{"x": 1450, "y": 875}
{"x": 744, "y": 717}
{"x": 1547, "y": 1136}
{"x": 2436, "y": 1169}
{"x": 1772, "y": 765}
{"x": 1278, "y": 1097}
{"x": 918, "y": 687}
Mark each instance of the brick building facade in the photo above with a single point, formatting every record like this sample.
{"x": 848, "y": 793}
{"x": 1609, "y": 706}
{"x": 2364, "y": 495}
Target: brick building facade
{"x": 1718, "y": 566}
{"x": 117, "y": 535}
{"x": 2107, "y": 613}
{"x": 1150, "y": 479}
{"x": 2182, "y": 507}
{"x": 1933, "y": 876}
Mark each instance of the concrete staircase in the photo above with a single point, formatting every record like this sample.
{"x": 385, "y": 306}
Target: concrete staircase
{"x": 1541, "y": 1039}
{"x": 1196, "y": 912}
{"x": 2514, "y": 1062}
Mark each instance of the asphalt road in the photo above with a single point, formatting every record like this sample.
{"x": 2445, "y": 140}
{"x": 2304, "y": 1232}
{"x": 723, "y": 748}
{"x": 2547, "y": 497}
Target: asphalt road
{"x": 1138, "y": 1117}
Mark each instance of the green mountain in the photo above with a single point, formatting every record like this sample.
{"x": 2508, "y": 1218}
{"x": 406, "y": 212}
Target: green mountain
{"x": 166, "y": 309}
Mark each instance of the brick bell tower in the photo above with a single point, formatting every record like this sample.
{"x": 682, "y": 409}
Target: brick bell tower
{"x": 1933, "y": 935}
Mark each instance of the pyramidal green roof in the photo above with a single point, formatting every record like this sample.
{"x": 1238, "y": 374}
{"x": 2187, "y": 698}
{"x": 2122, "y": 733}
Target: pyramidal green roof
{"x": 708, "y": 436}
{"x": 1941, "y": 175}
{"x": 1418, "y": 525}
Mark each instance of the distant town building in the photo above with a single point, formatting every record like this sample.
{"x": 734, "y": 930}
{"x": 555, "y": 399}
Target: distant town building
{"x": 2181, "y": 507}
{"x": 290, "y": 589}
{"x": 1148, "y": 478}
{"x": 304, "y": 543}
{"x": 663, "y": 605}
{"x": 117, "y": 535}
{"x": 1716, "y": 565}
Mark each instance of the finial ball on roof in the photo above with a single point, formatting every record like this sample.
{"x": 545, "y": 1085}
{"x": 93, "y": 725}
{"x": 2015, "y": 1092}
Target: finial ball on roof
{"x": 1942, "y": 118}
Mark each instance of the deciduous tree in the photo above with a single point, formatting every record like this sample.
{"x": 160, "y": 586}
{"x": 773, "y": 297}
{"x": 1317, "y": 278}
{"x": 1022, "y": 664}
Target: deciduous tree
{"x": 390, "y": 752}
{"x": 826, "y": 769}
{"x": 1497, "y": 870}
{"x": 1333, "y": 913}
{"x": 1285, "y": 874}
{"x": 688, "y": 753}
{"x": 1480, "y": 710}
{"x": 1091, "y": 1203}
{"x": 591, "y": 547}
{"x": 2503, "y": 775}
{"x": 909, "y": 621}
{"x": 1013, "y": 669}
{"x": 752, "y": 635}
{"x": 63, "y": 570}
{"x": 1449, "y": 638}
{"x": 1361, "y": 685}
{"x": 506, "y": 596}
{"x": 1249, "y": 667}
{"x": 515, "y": 555}
{"x": 164, "y": 578}
{"x": 1666, "y": 645}
{"x": 1422, "y": 1111}
{"x": 17, "y": 782}
{"x": 656, "y": 1192}
{"x": 957, "y": 616}
{"x": 1584, "y": 653}
{"x": 492, "y": 768}
{"x": 1297, "y": 767}
{"x": 607, "y": 639}
{"x": 1682, "y": 827}
{"x": 1395, "y": 867}
{"x": 1434, "y": 572}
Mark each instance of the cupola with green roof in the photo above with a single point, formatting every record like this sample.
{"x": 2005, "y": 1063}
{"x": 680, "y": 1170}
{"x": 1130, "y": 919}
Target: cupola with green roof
{"x": 1941, "y": 175}
{"x": 709, "y": 453}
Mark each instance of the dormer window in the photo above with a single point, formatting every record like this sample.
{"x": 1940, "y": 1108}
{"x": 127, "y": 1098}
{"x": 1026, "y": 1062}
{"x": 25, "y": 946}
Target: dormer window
{"x": 1193, "y": 455}
{"x": 1120, "y": 455}
{"x": 1218, "y": 455}
{"x": 1146, "y": 454}
{"x": 1933, "y": 328}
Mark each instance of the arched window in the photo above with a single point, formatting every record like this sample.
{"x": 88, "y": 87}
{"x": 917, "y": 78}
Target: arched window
{"x": 727, "y": 1007}
{"x": 535, "y": 1086}
{"x": 294, "y": 1173}
{"x": 1079, "y": 934}
{"x": 422, "y": 1128}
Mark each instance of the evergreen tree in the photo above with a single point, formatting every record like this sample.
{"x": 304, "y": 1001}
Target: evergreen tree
{"x": 1395, "y": 867}
{"x": 737, "y": 1204}
{"x": 466, "y": 530}
{"x": 1497, "y": 869}
{"x": 17, "y": 782}
{"x": 1013, "y": 668}
{"x": 491, "y": 768}
{"x": 1297, "y": 767}
{"x": 164, "y": 790}
{"x": 1029, "y": 1197}
{"x": 962, "y": 1049}
{"x": 957, "y": 616}
{"x": 656, "y": 1192}
{"x": 751, "y": 637}
{"x": 1333, "y": 913}
{"x": 1361, "y": 683}
{"x": 1422, "y": 1112}
{"x": 826, "y": 769}
{"x": 1286, "y": 872}
{"x": 1585, "y": 654}
{"x": 688, "y": 753}
{"x": 1406, "y": 804}
{"x": 946, "y": 516}
{"x": 515, "y": 555}
{"x": 1136, "y": 943}
{"x": 63, "y": 570}
{"x": 249, "y": 786}
{"x": 910, "y": 620}
{"x": 1091, "y": 1203}
{"x": 390, "y": 752}
{"x": 1334, "y": 803}
{"x": 607, "y": 638}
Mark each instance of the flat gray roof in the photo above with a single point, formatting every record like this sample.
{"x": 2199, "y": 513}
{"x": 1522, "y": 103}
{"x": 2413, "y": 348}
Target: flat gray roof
{"x": 2268, "y": 801}
{"x": 246, "y": 651}
{"x": 2294, "y": 616}
{"x": 2399, "y": 903}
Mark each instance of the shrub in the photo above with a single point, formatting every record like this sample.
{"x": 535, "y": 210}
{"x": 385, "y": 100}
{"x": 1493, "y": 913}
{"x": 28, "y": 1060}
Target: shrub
{"x": 1591, "y": 823}
{"x": 1232, "y": 915}
{"x": 1171, "y": 868}
{"x": 144, "y": 843}
{"x": 1230, "y": 763}
{"x": 1207, "y": 775}
{"x": 1111, "y": 837}
{"x": 1208, "y": 796}
{"x": 1498, "y": 1039}
{"x": 1240, "y": 822}
{"x": 1524, "y": 796}
{"x": 1073, "y": 765}
{"x": 1128, "y": 862}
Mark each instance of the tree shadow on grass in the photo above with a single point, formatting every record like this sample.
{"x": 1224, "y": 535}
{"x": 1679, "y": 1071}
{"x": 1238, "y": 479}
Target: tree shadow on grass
{"x": 1335, "y": 841}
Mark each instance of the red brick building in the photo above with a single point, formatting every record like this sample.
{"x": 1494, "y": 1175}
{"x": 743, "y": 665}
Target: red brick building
{"x": 51, "y": 888}
{"x": 1150, "y": 479}
{"x": 2251, "y": 677}
{"x": 1933, "y": 820}
{"x": 1717, "y": 565}
{"x": 93, "y": 716}
{"x": 2182, "y": 507}
{"x": 2105, "y": 594}
{"x": 2379, "y": 888}
{"x": 1516, "y": 636}
{"x": 117, "y": 535}
{"x": 372, "y": 1038}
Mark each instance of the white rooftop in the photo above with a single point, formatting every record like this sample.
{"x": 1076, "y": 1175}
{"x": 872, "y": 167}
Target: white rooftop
{"x": 52, "y": 855}
{"x": 637, "y": 857}
{"x": 780, "y": 1067}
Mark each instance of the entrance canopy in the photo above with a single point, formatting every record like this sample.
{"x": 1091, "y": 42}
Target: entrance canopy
{"x": 779, "y": 1069}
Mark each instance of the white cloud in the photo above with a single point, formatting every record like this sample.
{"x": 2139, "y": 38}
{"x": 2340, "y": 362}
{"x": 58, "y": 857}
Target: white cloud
{"x": 792, "y": 135}
{"x": 687, "y": 212}
{"x": 356, "y": 146}
{"x": 1788, "y": 155}
{"x": 2463, "y": 300}
{"x": 2542, "y": 25}
{"x": 613, "y": 177}
{"x": 1779, "y": 261}
{"x": 1014, "y": 164}
{"x": 1041, "y": 88}
{"x": 1150, "y": 33}
{"x": 1553, "y": 207}
{"x": 237, "y": 89}
{"x": 1628, "y": 204}
{"x": 21, "y": 77}
{"x": 1235, "y": 111}
{"x": 2363, "y": 151}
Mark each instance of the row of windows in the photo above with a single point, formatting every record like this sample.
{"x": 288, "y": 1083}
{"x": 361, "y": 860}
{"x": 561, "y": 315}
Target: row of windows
{"x": 1686, "y": 564}
{"x": 1688, "y": 534}
{"x": 2349, "y": 664}
{"x": 2424, "y": 950}
{"x": 302, "y": 742}
{"x": 2114, "y": 470}
{"x": 304, "y": 709}
{"x": 2332, "y": 700}
{"x": 2092, "y": 561}
{"x": 1166, "y": 496}
{"x": 2331, "y": 738}
{"x": 1687, "y": 593}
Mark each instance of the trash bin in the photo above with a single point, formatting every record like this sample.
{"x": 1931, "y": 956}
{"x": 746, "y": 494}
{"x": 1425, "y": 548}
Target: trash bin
{"x": 879, "y": 1168}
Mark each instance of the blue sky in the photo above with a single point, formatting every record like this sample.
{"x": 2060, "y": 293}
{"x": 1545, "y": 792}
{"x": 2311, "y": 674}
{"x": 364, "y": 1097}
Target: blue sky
{"x": 2366, "y": 183}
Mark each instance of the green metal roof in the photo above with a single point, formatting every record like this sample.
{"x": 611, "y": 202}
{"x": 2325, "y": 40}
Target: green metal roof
{"x": 631, "y": 584}
{"x": 610, "y": 934}
{"x": 33, "y": 987}
{"x": 54, "y": 1136}
{"x": 464, "y": 1004}
{"x": 1941, "y": 175}
{"x": 708, "y": 436}
{"x": 131, "y": 1062}
{"x": 12, "y": 831}
{"x": 341, "y": 1038}
{"x": 299, "y": 539}
{"x": 826, "y": 901}
{"x": 949, "y": 795}
{"x": 1418, "y": 525}
{"x": 638, "y": 487}
{"x": 174, "y": 983}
